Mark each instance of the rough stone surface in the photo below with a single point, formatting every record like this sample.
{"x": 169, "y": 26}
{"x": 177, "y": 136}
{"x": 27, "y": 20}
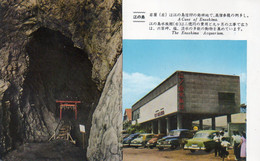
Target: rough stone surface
{"x": 91, "y": 28}
{"x": 105, "y": 132}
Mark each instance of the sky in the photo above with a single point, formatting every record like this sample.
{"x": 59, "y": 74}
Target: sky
{"x": 146, "y": 63}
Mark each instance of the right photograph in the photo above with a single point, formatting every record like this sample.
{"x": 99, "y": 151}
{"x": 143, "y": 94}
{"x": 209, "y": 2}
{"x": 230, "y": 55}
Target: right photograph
{"x": 184, "y": 99}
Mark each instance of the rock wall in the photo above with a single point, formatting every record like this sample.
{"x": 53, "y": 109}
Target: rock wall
{"x": 105, "y": 135}
{"x": 92, "y": 27}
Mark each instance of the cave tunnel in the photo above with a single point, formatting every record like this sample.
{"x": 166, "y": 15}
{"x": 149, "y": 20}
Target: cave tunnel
{"x": 59, "y": 71}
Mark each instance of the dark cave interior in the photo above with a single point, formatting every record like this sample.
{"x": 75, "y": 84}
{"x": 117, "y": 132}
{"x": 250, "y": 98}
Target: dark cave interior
{"x": 59, "y": 71}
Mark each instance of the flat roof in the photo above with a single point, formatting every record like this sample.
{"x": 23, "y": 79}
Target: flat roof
{"x": 178, "y": 71}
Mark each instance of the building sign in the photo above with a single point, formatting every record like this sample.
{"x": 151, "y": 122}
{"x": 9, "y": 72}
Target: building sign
{"x": 195, "y": 128}
{"x": 181, "y": 92}
{"x": 159, "y": 112}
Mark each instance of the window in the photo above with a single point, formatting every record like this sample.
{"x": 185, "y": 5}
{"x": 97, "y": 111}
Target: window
{"x": 125, "y": 117}
{"x": 149, "y": 136}
{"x": 243, "y": 109}
{"x": 136, "y": 114}
{"x": 201, "y": 135}
{"x": 226, "y": 98}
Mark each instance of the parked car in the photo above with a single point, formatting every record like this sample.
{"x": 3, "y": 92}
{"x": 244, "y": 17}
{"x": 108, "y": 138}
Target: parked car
{"x": 125, "y": 135}
{"x": 141, "y": 140}
{"x": 152, "y": 142}
{"x": 175, "y": 139}
{"x": 202, "y": 140}
{"x": 127, "y": 141}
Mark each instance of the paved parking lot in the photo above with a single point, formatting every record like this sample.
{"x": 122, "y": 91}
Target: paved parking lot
{"x": 144, "y": 154}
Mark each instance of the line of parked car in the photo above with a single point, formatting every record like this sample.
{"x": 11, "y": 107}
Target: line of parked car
{"x": 181, "y": 138}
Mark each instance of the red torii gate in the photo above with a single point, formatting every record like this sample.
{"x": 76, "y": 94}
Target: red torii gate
{"x": 68, "y": 105}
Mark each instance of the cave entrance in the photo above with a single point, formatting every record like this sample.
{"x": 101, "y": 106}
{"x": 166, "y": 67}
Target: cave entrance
{"x": 58, "y": 71}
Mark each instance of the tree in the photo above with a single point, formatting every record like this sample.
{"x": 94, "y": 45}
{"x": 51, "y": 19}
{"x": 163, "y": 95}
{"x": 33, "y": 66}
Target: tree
{"x": 136, "y": 128}
{"x": 126, "y": 125}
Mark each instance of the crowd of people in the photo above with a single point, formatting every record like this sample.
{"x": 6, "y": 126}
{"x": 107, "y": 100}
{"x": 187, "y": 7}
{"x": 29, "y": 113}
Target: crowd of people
{"x": 222, "y": 144}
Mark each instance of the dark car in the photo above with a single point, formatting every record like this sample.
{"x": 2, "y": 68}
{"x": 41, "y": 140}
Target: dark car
{"x": 176, "y": 138}
{"x": 127, "y": 141}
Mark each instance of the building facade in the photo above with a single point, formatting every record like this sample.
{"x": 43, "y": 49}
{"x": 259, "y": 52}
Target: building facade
{"x": 127, "y": 115}
{"x": 185, "y": 97}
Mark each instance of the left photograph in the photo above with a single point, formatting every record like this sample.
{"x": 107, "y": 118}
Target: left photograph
{"x": 60, "y": 80}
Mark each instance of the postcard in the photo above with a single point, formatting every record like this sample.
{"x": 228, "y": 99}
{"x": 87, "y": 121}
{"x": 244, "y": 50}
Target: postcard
{"x": 189, "y": 65}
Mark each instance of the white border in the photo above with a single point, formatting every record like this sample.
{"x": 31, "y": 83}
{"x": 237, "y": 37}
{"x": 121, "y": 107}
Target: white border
{"x": 252, "y": 35}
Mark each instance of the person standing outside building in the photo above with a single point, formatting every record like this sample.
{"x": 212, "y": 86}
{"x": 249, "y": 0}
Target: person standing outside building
{"x": 222, "y": 149}
{"x": 243, "y": 146}
{"x": 236, "y": 141}
{"x": 217, "y": 140}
